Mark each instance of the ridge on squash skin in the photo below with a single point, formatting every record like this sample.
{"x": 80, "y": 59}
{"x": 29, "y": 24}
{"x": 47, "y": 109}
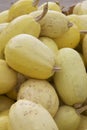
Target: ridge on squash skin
{"x": 41, "y": 92}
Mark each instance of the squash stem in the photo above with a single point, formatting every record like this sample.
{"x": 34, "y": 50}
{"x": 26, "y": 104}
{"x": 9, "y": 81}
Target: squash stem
{"x": 82, "y": 109}
{"x": 83, "y": 31}
{"x": 45, "y": 9}
{"x": 56, "y": 69}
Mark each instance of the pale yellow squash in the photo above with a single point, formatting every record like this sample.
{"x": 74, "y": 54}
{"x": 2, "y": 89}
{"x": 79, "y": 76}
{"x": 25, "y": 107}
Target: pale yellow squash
{"x": 8, "y": 77}
{"x": 79, "y": 20}
{"x": 67, "y": 118}
{"x": 74, "y": 19}
{"x": 21, "y": 7}
{"x": 5, "y": 103}
{"x": 40, "y": 91}
{"x": 25, "y": 115}
{"x": 71, "y": 80}
{"x": 22, "y": 24}
{"x": 80, "y": 8}
{"x": 29, "y": 56}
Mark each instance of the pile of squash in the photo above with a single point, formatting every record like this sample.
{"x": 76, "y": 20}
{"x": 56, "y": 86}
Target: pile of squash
{"x": 43, "y": 62}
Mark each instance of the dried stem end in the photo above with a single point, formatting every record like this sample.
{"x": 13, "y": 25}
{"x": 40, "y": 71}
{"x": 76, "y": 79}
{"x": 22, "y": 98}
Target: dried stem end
{"x": 56, "y": 69}
{"x": 83, "y": 31}
{"x": 82, "y": 109}
{"x": 45, "y": 9}
{"x": 78, "y": 105}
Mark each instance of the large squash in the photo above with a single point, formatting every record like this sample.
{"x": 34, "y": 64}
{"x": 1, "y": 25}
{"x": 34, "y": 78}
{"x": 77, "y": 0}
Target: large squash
{"x": 27, "y": 115}
{"x": 71, "y": 81}
{"x": 29, "y": 56}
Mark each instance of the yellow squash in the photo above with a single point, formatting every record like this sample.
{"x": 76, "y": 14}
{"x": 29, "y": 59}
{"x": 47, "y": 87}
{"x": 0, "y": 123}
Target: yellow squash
{"x": 14, "y": 92}
{"x": 5, "y": 103}
{"x": 4, "y": 16}
{"x": 29, "y": 56}
{"x": 22, "y": 24}
{"x": 80, "y": 8}
{"x": 71, "y": 80}
{"x": 21, "y": 7}
{"x": 53, "y": 24}
{"x": 25, "y": 115}
{"x": 50, "y": 43}
{"x": 40, "y": 91}
{"x": 67, "y": 118}
{"x": 69, "y": 39}
{"x": 8, "y": 77}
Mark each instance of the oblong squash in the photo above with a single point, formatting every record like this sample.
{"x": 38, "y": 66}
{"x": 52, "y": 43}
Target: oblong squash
{"x": 50, "y": 43}
{"x": 22, "y": 24}
{"x": 40, "y": 91}
{"x": 8, "y": 77}
{"x": 19, "y": 8}
{"x": 29, "y": 56}
{"x": 71, "y": 81}
{"x": 30, "y": 116}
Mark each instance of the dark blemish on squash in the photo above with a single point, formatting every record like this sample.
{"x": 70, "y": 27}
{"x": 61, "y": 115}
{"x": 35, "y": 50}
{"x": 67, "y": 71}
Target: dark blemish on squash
{"x": 25, "y": 113}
